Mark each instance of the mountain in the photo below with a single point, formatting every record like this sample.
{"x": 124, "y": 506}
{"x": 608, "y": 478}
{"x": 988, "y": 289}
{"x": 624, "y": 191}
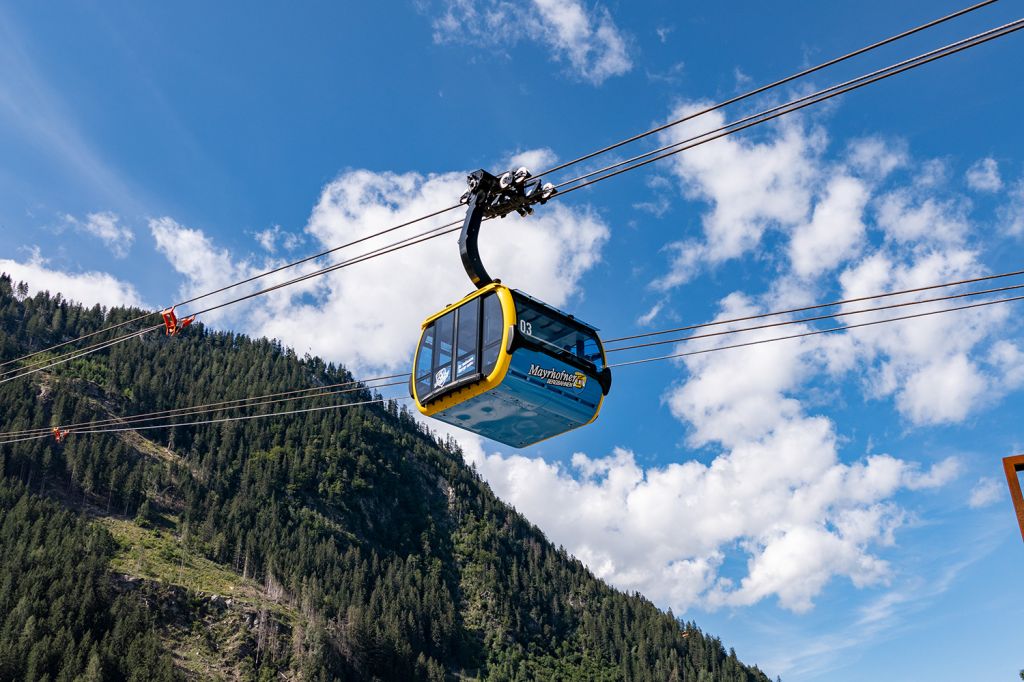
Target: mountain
{"x": 336, "y": 544}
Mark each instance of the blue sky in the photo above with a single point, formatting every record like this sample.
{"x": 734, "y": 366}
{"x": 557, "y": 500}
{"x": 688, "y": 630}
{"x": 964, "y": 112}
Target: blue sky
{"x": 833, "y": 509}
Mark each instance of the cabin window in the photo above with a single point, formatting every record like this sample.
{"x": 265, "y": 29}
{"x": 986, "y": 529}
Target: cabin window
{"x": 425, "y": 362}
{"x": 444, "y": 334}
{"x": 468, "y": 338}
{"x": 494, "y": 327}
{"x": 549, "y": 328}
{"x": 461, "y": 346}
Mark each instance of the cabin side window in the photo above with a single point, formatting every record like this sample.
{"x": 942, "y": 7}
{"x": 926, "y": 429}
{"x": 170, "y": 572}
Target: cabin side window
{"x": 444, "y": 331}
{"x": 494, "y": 327}
{"x": 461, "y": 346}
{"x": 425, "y": 362}
{"x": 468, "y": 337}
{"x": 549, "y": 329}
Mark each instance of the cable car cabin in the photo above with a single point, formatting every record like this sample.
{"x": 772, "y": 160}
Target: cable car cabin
{"x": 509, "y": 367}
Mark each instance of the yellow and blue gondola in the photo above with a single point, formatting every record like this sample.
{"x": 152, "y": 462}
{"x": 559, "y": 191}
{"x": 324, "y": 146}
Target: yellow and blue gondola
{"x": 501, "y": 363}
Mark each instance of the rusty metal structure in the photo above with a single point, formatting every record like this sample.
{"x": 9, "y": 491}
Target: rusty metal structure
{"x": 1012, "y": 466}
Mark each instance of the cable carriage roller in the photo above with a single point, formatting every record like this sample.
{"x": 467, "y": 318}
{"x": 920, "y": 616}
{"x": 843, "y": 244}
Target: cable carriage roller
{"x": 499, "y": 362}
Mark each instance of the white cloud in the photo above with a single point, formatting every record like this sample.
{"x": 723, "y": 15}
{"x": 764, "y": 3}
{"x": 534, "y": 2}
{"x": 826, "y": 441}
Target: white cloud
{"x": 876, "y": 157}
{"x": 535, "y": 160}
{"x": 368, "y": 316}
{"x": 983, "y": 176}
{"x": 88, "y": 288}
{"x": 271, "y": 237}
{"x": 1011, "y": 214}
{"x": 909, "y": 219}
{"x": 1008, "y": 361}
{"x": 751, "y": 187}
{"x": 205, "y": 267}
{"x": 943, "y": 391}
{"x": 986, "y": 492}
{"x": 588, "y": 40}
{"x": 940, "y": 474}
{"x": 820, "y": 518}
{"x": 649, "y": 316}
{"x": 801, "y": 517}
{"x": 777, "y": 492}
{"x": 834, "y": 231}
{"x": 107, "y": 227}
{"x": 925, "y": 363}
{"x": 932, "y": 174}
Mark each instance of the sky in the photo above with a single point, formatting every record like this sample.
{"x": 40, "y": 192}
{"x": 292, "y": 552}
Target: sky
{"x": 833, "y": 507}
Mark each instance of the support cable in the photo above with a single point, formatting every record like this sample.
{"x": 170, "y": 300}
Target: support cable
{"x": 764, "y": 88}
{"x": 634, "y": 138}
{"x": 816, "y": 332}
{"x": 845, "y": 301}
{"x": 793, "y": 106}
{"x": 776, "y": 112}
{"x": 240, "y": 403}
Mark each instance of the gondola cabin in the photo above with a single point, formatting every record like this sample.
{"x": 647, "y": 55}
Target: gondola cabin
{"x": 509, "y": 367}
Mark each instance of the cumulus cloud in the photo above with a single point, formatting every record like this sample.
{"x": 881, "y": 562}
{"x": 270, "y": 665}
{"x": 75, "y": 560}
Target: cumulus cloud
{"x": 1011, "y": 214}
{"x": 751, "y": 186}
{"x": 536, "y": 160}
{"x": 986, "y": 492}
{"x": 273, "y": 237}
{"x": 107, "y": 227}
{"x": 88, "y": 288}
{"x": 777, "y": 492}
{"x": 983, "y": 176}
{"x": 802, "y": 517}
{"x": 870, "y": 220}
{"x": 834, "y": 231}
{"x": 914, "y": 219}
{"x": 876, "y": 157}
{"x": 368, "y": 316}
{"x": 1007, "y": 359}
{"x": 586, "y": 39}
{"x": 927, "y": 364}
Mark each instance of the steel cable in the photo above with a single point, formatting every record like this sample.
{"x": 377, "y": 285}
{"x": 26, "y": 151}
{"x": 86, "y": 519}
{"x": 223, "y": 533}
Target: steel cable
{"x": 764, "y": 88}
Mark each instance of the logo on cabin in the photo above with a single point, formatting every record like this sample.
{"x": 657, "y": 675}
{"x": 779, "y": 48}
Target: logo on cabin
{"x": 441, "y": 378}
{"x": 557, "y": 377}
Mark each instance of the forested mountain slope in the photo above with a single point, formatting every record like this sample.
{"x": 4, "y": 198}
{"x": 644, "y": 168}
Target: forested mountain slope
{"x": 341, "y": 544}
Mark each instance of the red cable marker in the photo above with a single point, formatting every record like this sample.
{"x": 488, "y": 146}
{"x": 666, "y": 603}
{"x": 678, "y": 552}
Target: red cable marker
{"x": 60, "y": 434}
{"x": 171, "y": 322}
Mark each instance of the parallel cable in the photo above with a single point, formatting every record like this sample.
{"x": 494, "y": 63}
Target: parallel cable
{"x": 238, "y": 403}
{"x": 817, "y": 318}
{"x": 246, "y": 417}
{"x": 80, "y": 338}
{"x": 818, "y": 306}
{"x": 797, "y": 105}
{"x": 816, "y": 332}
{"x": 365, "y": 384}
{"x": 239, "y": 283}
{"x": 432, "y": 233}
{"x": 770, "y": 114}
{"x": 121, "y": 428}
{"x": 78, "y": 354}
{"x": 764, "y": 88}
{"x": 816, "y": 96}
{"x": 634, "y": 138}
{"x": 396, "y": 246}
